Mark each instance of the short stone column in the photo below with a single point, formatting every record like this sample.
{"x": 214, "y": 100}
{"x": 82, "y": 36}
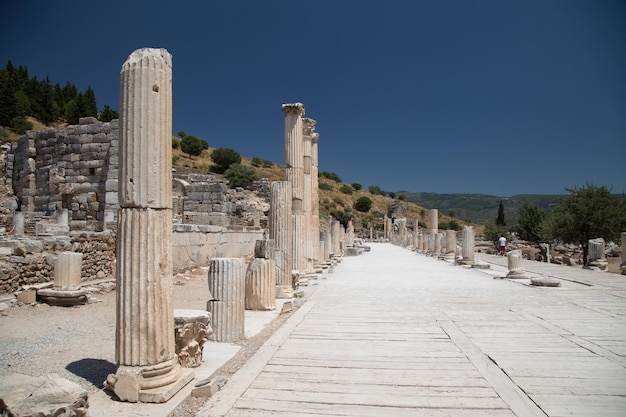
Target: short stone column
{"x": 516, "y": 269}
{"x": 18, "y": 223}
{"x": 227, "y": 285}
{"x": 335, "y": 232}
{"x": 261, "y": 278}
{"x": 434, "y": 219}
{"x": 147, "y": 364}
{"x": 67, "y": 274}
{"x": 437, "y": 244}
{"x": 467, "y": 245}
{"x": 623, "y": 264}
{"x": 450, "y": 245}
{"x": 596, "y": 257}
{"x": 280, "y": 227}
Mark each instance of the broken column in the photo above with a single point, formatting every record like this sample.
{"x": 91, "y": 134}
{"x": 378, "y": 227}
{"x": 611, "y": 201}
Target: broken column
{"x": 450, "y": 245}
{"x": 294, "y": 173}
{"x": 516, "y": 269}
{"x": 467, "y": 250}
{"x": 227, "y": 286}
{"x": 280, "y": 227}
{"x": 623, "y": 264}
{"x": 67, "y": 274}
{"x": 147, "y": 365}
{"x": 261, "y": 278}
{"x": 596, "y": 257}
{"x": 18, "y": 223}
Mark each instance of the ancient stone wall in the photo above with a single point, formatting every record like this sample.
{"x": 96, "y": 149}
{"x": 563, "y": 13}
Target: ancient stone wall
{"x": 73, "y": 167}
{"x": 27, "y": 261}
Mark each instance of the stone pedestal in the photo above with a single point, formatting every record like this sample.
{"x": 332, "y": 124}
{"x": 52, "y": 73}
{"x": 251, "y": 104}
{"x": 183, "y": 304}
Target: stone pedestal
{"x": 147, "y": 364}
{"x": 516, "y": 269}
{"x": 227, "y": 286}
{"x": 596, "y": 257}
{"x": 192, "y": 329}
{"x": 261, "y": 285}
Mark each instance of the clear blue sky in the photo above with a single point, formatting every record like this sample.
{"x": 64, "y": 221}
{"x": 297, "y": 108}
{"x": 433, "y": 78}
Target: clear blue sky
{"x": 476, "y": 96}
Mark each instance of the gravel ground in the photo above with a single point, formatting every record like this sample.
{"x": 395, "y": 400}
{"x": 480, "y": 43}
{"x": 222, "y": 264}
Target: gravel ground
{"x": 78, "y": 343}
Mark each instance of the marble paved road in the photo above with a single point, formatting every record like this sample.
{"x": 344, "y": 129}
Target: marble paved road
{"x": 395, "y": 333}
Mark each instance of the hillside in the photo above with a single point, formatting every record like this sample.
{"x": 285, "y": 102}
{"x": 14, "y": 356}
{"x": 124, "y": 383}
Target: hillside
{"x": 332, "y": 201}
{"x": 480, "y": 208}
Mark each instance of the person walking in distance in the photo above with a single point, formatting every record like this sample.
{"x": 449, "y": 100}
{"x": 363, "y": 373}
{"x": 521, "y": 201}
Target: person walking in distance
{"x": 502, "y": 244}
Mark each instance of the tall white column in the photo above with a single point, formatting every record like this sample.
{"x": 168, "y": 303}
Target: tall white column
{"x": 147, "y": 366}
{"x": 315, "y": 212}
{"x": 623, "y": 264}
{"x": 280, "y": 227}
{"x": 450, "y": 245}
{"x": 294, "y": 173}
{"x": 468, "y": 245}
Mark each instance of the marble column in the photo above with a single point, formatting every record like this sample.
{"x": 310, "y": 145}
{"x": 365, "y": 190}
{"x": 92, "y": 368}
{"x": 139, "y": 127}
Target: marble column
{"x": 437, "y": 244}
{"x": 315, "y": 201}
{"x": 147, "y": 365}
{"x": 385, "y": 228}
{"x": 468, "y": 245}
{"x": 623, "y": 264}
{"x": 326, "y": 236}
{"x": 227, "y": 286}
{"x": 450, "y": 245}
{"x": 294, "y": 173}
{"x": 516, "y": 269}
{"x": 335, "y": 227}
{"x": 261, "y": 285}
{"x": 280, "y": 231}
{"x": 596, "y": 257}
{"x": 434, "y": 219}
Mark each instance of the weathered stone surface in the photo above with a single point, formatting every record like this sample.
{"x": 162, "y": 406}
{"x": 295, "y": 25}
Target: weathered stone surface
{"x": 148, "y": 369}
{"x": 545, "y": 282}
{"x": 280, "y": 227}
{"x": 515, "y": 264}
{"x": 261, "y": 285}
{"x": 227, "y": 307}
{"x": 48, "y": 396}
{"x": 192, "y": 329}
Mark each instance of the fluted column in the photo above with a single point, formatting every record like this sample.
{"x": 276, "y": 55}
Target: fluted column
{"x": 67, "y": 270}
{"x": 280, "y": 230}
{"x": 468, "y": 245}
{"x": 596, "y": 258}
{"x": 516, "y": 269}
{"x": 623, "y": 264}
{"x": 261, "y": 285}
{"x": 450, "y": 245}
{"x": 148, "y": 369}
{"x": 294, "y": 173}
{"x": 335, "y": 236}
{"x": 326, "y": 237}
{"x": 315, "y": 201}
{"x": 227, "y": 285}
{"x": 308, "y": 127}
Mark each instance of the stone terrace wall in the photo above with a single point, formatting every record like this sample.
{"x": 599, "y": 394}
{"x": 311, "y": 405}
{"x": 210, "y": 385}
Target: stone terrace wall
{"x": 27, "y": 261}
{"x": 74, "y": 167}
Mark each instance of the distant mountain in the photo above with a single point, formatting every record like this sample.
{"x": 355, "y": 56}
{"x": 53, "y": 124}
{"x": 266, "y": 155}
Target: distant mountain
{"x": 480, "y": 208}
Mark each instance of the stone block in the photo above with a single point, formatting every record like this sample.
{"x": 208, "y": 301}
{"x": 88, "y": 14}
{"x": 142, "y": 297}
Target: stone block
{"x": 206, "y": 388}
{"x": 27, "y": 296}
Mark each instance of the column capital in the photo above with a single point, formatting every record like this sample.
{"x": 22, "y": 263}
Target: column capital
{"x": 308, "y": 126}
{"x": 315, "y": 137}
{"x": 293, "y": 108}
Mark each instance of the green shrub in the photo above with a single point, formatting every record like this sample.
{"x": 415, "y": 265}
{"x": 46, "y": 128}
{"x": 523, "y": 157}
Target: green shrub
{"x": 346, "y": 189}
{"x": 363, "y": 204}
{"x": 21, "y": 125}
{"x": 257, "y": 162}
{"x": 175, "y": 143}
{"x": 267, "y": 164}
{"x": 192, "y": 146}
{"x": 240, "y": 176}
{"x": 330, "y": 175}
{"x": 357, "y": 186}
{"x": 223, "y": 158}
{"x": 325, "y": 186}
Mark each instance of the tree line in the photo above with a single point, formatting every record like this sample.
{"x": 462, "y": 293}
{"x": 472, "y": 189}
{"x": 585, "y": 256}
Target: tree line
{"x": 587, "y": 213}
{"x": 22, "y": 95}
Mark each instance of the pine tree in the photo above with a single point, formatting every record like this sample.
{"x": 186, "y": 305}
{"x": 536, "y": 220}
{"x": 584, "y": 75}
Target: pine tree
{"x": 91, "y": 109}
{"x": 500, "y": 221}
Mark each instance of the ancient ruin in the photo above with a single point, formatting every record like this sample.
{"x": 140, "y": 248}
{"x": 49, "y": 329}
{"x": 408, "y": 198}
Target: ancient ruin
{"x": 227, "y": 306}
{"x": 515, "y": 264}
{"x": 66, "y": 290}
{"x": 192, "y": 329}
{"x": 147, "y": 365}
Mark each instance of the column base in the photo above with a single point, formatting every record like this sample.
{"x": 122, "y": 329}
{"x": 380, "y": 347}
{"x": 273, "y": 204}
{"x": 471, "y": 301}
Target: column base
{"x": 139, "y": 384}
